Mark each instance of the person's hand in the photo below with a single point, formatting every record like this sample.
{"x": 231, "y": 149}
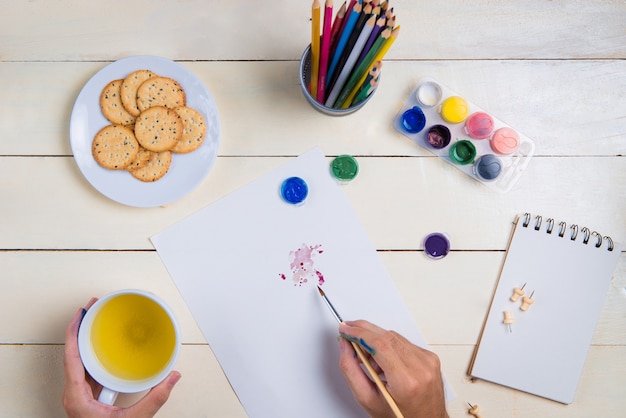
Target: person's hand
{"x": 80, "y": 396}
{"x": 413, "y": 375}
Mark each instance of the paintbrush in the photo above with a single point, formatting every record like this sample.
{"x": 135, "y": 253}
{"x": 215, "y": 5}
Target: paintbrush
{"x": 357, "y": 348}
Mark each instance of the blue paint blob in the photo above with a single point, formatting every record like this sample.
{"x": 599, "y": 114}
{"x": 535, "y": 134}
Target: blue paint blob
{"x": 294, "y": 190}
{"x": 413, "y": 120}
{"x": 488, "y": 167}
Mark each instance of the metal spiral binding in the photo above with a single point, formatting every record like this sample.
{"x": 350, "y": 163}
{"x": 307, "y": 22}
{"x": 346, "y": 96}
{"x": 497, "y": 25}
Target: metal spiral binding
{"x": 587, "y": 234}
{"x": 561, "y": 229}
{"x": 526, "y": 220}
{"x": 574, "y": 234}
{"x": 599, "y": 243}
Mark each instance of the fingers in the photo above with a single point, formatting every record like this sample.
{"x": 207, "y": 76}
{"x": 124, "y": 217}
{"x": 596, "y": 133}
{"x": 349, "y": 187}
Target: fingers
{"x": 76, "y": 395}
{"x": 364, "y": 390}
{"x": 387, "y": 347}
{"x": 365, "y": 325}
{"x": 391, "y": 351}
{"x": 90, "y": 303}
{"x": 74, "y": 370}
{"x": 412, "y": 374}
{"x": 149, "y": 405}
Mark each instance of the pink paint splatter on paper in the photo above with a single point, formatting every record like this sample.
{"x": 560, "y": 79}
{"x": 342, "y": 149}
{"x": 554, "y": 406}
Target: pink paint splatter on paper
{"x": 301, "y": 264}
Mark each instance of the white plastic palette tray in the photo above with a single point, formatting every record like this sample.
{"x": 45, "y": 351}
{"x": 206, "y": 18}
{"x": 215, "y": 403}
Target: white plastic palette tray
{"x": 428, "y": 96}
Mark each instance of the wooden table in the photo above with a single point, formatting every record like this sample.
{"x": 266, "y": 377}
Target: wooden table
{"x": 555, "y": 70}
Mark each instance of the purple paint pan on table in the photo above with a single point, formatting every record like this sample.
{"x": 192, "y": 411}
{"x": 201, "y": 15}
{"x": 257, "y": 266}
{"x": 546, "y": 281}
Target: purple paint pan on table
{"x": 436, "y": 245}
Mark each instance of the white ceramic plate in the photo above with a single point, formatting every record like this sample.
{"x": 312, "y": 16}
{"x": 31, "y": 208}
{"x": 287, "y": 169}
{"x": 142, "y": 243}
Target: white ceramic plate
{"x": 187, "y": 170}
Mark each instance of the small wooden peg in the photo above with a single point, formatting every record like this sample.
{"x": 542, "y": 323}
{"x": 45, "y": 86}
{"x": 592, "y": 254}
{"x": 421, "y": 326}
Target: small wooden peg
{"x": 526, "y": 302}
{"x": 517, "y": 293}
{"x": 508, "y": 319}
{"x": 475, "y": 410}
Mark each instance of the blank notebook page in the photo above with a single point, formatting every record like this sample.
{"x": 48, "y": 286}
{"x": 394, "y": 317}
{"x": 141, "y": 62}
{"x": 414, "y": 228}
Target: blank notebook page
{"x": 544, "y": 350}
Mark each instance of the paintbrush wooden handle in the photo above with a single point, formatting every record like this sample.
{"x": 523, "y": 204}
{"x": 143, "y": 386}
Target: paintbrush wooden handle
{"x": 379, "y": 383}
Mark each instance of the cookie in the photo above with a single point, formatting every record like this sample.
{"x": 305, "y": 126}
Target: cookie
{"x": 160, "y": 91}
{"x": 157, "y": 167}
{"x": 111, "y": 104}
{"x": 158, "y": 128}
{"x": 141, "y": 160}
{"x": 194, "y": 130}
{"x": 114, "y": 147}
{"x": 129, "y": 88}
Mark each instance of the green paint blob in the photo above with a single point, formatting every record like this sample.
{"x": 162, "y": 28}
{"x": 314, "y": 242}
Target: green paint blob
{"x": 344, "y": 167}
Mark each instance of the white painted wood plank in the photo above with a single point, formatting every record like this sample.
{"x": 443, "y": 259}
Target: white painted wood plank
{"x": 48, "y": 287}
{"x": 398, "y": 200}
{"x": 217, "y": 30}
{"x": 448, "y": 298}
{"x": 566, "y": 107}
{"x": 36, "y": 385}
{"x": 599, "y": 390}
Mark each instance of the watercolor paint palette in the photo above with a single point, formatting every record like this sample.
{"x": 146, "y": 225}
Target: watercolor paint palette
{"x": 464, "y": 135}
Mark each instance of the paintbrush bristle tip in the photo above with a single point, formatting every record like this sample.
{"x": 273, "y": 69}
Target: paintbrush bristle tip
{"x": 320, "y": 290}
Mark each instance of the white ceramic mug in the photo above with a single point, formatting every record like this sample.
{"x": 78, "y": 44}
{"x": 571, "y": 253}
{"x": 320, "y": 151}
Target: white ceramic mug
{"x": 91, "y": 352}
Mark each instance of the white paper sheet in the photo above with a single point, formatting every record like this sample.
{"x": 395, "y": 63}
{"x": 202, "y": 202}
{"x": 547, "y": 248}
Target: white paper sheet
{"x": 274, "y": 337}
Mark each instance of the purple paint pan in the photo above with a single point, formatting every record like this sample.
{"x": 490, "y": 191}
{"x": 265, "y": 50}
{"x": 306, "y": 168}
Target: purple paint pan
{"x": 436, "y": 245}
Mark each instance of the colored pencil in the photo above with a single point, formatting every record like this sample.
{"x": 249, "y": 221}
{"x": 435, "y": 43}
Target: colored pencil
{"x": 351, "y": 60}
{"x": 364, "y": 93}
{"x": 364, "y": 67}
{"x": 325, "y": 49}
{"x": 343, "y": 40}
{"x": 389, "y": 13}
{"x": 366, "y": 362}
{"x": 334, "y": 42}
{"x": 370, "y": 83}
{"x": 380, "y": 26}
{"x": 337, "y": 24}
{"x": 347, "y": 50}
{"x": 384, "y": 5}
{"x": 348, "y": 10}
{"x": 315, "y": 47}
{"x": 379, "y": 56}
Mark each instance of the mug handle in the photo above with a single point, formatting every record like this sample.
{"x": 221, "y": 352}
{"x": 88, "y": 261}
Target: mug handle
{"x": 107, "y": 396}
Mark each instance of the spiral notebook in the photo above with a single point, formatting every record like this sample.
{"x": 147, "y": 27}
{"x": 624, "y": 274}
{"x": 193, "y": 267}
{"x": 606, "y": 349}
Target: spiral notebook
{"x": 565, "y": 272}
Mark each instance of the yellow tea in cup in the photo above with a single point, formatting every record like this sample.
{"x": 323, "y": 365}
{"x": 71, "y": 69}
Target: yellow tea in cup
{"x": 133, "y": 337}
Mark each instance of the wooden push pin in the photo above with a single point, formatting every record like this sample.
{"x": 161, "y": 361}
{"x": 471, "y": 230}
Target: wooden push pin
{"x": 475, "y": 410}
{"x": 527, "y": 301}
{"x": 508, "y": 319}
{"x": 517, "y": 293}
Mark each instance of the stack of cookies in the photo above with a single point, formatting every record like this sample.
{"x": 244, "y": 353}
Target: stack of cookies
{"x": 149, "y": 121}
